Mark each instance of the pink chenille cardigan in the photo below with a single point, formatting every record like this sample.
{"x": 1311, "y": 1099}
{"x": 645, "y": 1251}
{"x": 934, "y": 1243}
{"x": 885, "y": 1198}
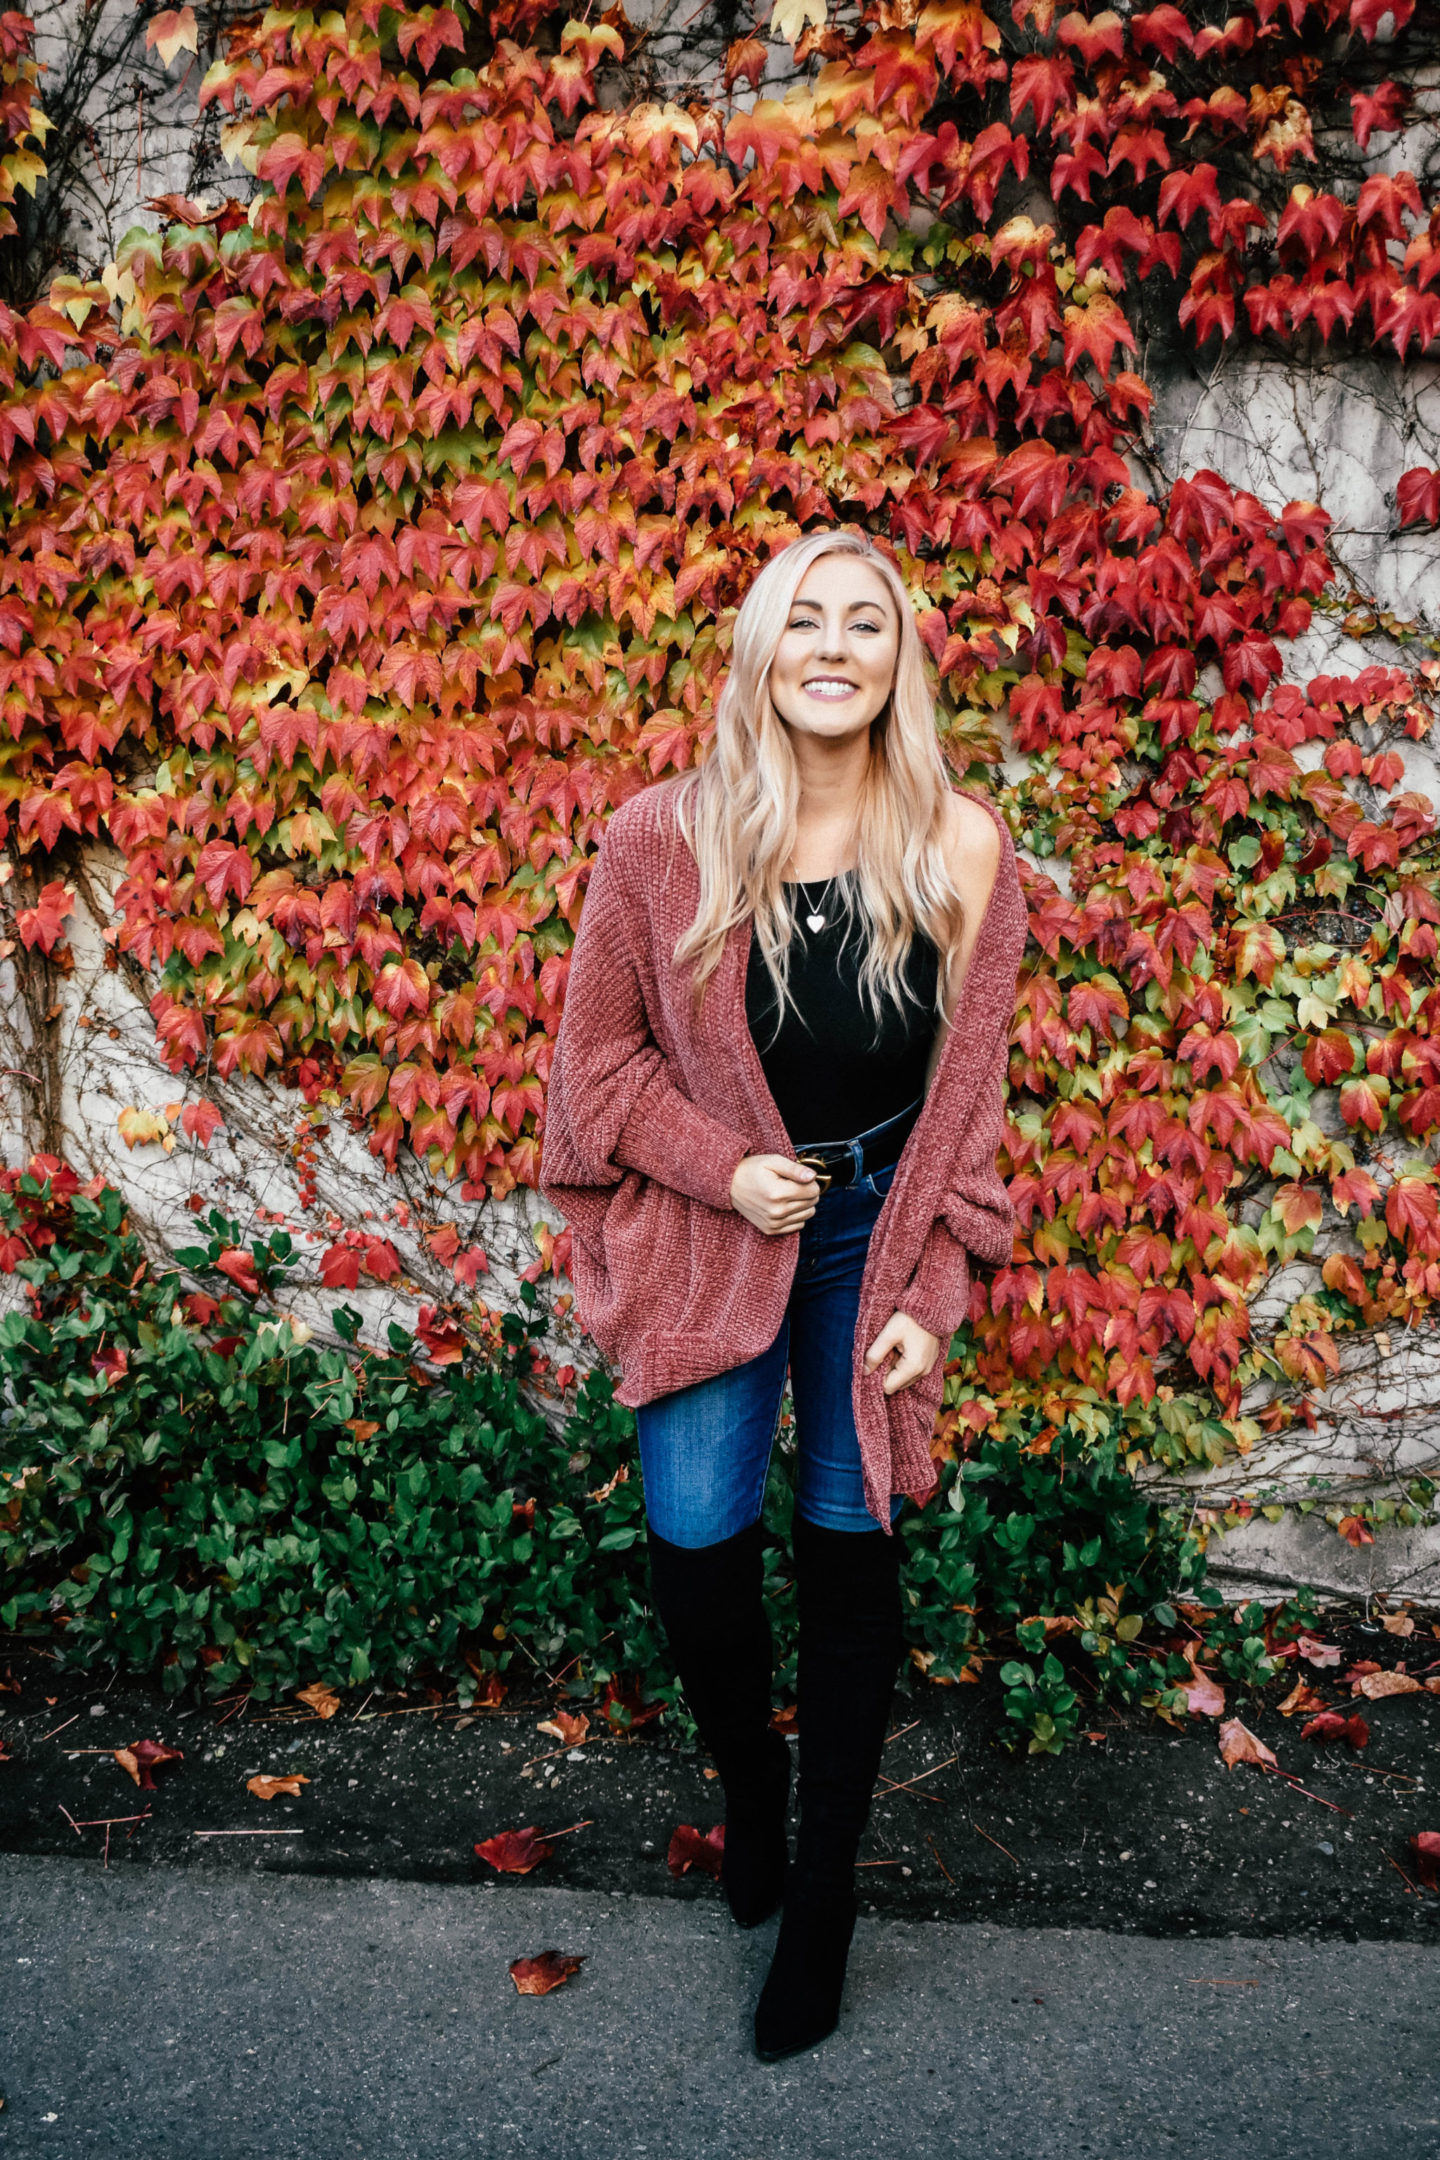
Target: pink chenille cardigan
{"x": 649, "y": 1110}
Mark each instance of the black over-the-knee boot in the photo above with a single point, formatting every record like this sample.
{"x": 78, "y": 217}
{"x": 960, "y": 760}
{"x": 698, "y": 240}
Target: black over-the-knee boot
{"x": 850, "y": 1648}
{"x": 710, "y": 1600}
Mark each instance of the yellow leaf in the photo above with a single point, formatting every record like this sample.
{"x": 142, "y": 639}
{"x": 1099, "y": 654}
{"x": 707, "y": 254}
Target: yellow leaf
{"x": 173, "y": 32}
{"x": 791, "y": 16}
{"x": 23, "y": 169}
{"x": 141, "y": 1128}
{"x": 237, "y": 141}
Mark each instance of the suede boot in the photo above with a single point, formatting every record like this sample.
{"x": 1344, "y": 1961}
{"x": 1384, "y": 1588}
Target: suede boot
{"x": 850, "y": 1647}
{"x": 711, "y": 1605}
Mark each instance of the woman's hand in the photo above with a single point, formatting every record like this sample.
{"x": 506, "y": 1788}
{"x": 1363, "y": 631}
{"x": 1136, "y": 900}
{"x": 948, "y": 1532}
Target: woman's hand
{"x": 774, "y": 1192}
{"x": 917, "y": 1347}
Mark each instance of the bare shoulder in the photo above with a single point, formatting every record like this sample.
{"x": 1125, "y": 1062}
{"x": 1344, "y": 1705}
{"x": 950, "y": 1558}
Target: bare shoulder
{"x": 972, "y": 849}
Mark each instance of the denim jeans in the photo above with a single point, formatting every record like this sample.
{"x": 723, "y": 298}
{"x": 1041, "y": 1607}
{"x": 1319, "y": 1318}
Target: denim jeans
{"x": 705, "y": 1450}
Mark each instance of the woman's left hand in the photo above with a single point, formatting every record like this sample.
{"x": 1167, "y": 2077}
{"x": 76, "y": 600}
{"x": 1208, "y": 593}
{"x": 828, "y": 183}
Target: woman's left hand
{"x": 917, "y": 1348}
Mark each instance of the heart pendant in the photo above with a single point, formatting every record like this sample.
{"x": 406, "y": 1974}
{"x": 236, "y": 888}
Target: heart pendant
{"x": 815, "y": 922}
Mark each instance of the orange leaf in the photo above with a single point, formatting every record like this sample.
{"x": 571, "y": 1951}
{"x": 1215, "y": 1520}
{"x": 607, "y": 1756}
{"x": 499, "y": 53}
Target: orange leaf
{"x": 322, "y": 1700}
{"x": 1376, "y": 1686}
{"x": 567, "y": 1726}
{"x": 539, "y": 1975}
{"x": 266, "y": 1788}
{"x": 1239, "y": 1745}
{"x": 1302, "y": 1701}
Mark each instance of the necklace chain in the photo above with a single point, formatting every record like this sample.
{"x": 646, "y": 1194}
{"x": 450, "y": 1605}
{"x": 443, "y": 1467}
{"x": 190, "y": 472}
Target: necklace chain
{"x": 814, "y": 919}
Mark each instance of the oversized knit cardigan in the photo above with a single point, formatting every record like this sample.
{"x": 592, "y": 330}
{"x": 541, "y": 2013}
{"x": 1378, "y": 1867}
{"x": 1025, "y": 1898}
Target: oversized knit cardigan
{"x": 650, "y": 1109}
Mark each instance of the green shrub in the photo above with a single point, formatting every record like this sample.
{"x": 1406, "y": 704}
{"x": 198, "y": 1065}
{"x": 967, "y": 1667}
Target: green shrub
{"x": 196, "y": 1488}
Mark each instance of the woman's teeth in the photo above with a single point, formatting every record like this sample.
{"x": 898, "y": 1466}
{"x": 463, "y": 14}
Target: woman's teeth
{"x": 829, "y": 686}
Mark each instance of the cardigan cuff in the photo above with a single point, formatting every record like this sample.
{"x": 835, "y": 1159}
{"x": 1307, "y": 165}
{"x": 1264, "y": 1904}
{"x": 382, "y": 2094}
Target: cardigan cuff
{"x": 673, "y": 1141}
{"x": 938, "y": 1293}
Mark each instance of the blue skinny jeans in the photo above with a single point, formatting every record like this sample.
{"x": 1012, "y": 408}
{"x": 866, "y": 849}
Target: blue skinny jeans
{"x": 705, "y": 1450}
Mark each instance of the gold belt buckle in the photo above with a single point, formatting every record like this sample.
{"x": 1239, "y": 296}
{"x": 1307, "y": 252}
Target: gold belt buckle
{"x": 815, "y": 1163}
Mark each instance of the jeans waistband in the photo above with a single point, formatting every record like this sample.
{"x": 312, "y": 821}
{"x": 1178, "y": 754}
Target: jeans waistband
{"x": 845, "y": 1162}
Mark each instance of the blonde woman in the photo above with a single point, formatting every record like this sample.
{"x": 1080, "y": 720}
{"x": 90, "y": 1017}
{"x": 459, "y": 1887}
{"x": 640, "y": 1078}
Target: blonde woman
{"x": 772, "y": 1124}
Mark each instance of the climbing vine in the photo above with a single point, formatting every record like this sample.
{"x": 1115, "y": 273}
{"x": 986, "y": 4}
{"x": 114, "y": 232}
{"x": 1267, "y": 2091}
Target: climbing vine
{"x": 369, "y": 536}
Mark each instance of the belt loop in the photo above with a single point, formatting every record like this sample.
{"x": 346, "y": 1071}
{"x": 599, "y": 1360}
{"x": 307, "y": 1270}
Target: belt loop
{"x": 857, "y": 1156}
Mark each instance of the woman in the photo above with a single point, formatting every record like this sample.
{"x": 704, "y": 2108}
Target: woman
{"x": 772, "y": 1123}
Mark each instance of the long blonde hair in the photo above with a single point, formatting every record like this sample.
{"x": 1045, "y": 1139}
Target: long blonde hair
{"x": 737, "y": 808}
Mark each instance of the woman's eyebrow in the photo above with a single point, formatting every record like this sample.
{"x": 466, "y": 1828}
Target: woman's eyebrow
{"x": 877, "y": 606}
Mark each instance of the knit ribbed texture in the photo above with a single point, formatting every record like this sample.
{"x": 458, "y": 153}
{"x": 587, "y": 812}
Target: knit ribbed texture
{"x": 650, "y": 1108}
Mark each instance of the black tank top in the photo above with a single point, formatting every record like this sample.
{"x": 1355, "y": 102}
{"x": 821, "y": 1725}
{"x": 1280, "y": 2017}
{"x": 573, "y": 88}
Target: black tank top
{"x": 832, "y": 1073}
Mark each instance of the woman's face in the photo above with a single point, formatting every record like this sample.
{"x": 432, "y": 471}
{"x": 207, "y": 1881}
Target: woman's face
{"x": 835, "y": 664}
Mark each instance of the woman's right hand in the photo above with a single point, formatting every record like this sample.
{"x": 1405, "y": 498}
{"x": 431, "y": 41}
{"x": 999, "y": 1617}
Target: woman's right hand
{"x": 774, "y": 1192}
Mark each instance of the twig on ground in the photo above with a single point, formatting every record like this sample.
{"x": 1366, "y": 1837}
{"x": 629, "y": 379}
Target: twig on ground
{"x": 1295, "y": 1786}
{"x": 890, "y": 1784}
{"x": 901, "y": 1729}
{"x": 60, "y": 1728}
{"x": 994, "y": 1841}
{"x": 939, "y": 1862}
{"x": 410, "y": 1710}
{"x": 1410, "y": 1887}
{"x": 278, "y": 1832}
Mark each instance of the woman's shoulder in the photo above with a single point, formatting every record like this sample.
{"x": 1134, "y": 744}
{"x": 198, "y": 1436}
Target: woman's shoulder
{"x": 974, "y": 842}
{"x": 643, "y": 841}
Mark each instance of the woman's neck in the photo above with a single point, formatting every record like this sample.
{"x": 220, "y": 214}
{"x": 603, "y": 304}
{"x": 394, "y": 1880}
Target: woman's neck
{"x": 832, "y": 779}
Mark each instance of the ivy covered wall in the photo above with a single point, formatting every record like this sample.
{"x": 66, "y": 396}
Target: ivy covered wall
{"x": 370, "y": 534}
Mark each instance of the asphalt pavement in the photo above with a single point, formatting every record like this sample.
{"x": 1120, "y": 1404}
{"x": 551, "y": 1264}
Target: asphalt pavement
{"x": 206, "y": 2015}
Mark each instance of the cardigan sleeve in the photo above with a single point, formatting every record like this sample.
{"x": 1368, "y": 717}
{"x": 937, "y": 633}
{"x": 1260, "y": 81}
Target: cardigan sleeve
{"x": 618, "y": 1099}
{"x": 976, "y": 1215}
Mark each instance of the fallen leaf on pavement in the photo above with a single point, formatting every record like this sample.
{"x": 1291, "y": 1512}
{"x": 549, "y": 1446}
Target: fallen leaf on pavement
{"x": 624, "y": 1709}
{"x": 1302, "y": 1701}
{"x": 570, "y": 1726}
{"x": 539, "y": 1975}
{"x": 515, "y": 1852}
{"x": 1376, "y": 1685}
{"x": 1317, "y": 1653}
{"x": 689, "y": 1849}
{"x": 1398, "y": 1623}
{"x": 1358, "y": 1672}
{"x": 1239, "y": 1745}
{"x": 321, "y": 1699}
{"x": 143, "y": 1757}
{"x": 1426, "y": 1851}
{"x": 1205, "y": 1697}
{"x": 266, "y": 1788}
{"x": 1335, "y": 1725}
{"x": 786, "y": 1719}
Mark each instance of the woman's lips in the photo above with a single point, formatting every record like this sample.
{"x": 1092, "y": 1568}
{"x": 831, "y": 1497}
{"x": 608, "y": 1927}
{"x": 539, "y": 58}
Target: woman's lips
{"x": 830, "y": 686}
